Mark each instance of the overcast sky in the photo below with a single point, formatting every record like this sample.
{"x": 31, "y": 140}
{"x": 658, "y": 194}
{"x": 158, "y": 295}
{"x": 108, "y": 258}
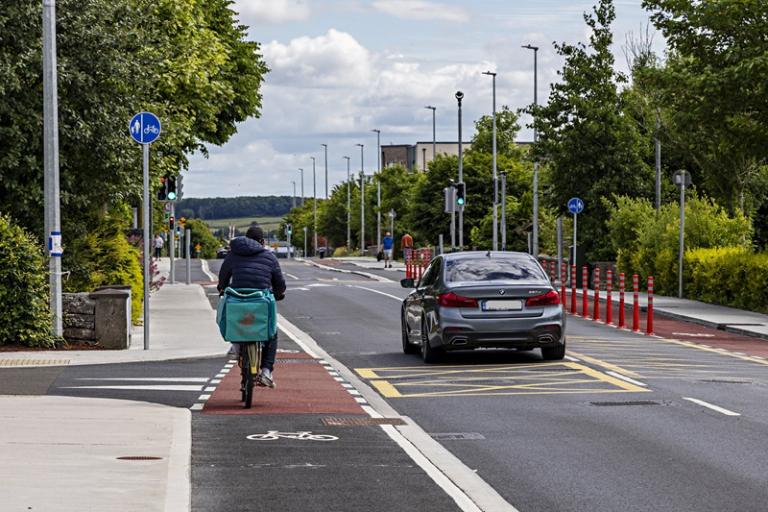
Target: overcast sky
{"x": 340, "y": 68}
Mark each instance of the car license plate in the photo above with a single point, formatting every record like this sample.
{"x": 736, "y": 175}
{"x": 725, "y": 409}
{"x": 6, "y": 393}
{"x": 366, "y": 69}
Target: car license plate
{"x": 503, "y": 305}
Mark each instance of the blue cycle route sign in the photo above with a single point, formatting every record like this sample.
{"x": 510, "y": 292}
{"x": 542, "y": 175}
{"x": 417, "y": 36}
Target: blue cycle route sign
{"x": 575, "y": 205}
{"x": 144, "y": 128}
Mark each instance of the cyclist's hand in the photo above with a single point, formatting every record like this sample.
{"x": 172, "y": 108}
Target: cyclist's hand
{"x": 280, "y": 297}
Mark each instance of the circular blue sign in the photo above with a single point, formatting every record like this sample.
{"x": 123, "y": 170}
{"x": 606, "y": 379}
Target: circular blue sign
{"x": 575, "y": 205}
{"x": 144, "y": 128}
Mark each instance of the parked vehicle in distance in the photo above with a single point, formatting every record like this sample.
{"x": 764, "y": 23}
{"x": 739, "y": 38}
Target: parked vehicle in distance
{"x": 283, "y": 250}
{"x": 222, "y": 253}
{"x": 472, "y": 300}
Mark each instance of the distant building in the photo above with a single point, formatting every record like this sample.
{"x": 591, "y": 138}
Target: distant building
{"x": 418, "y": 156}
{"x": 403, "y": 154}
{"x": 424, "y": 151}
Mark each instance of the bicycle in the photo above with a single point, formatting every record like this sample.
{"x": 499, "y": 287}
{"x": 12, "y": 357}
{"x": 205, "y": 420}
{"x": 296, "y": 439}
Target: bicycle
{"x": 250, "y": 362}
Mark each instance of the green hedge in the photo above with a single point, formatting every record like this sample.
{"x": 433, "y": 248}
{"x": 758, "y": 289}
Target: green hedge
{"x": 731, "y": 276}
{"x": 24, "y": 309}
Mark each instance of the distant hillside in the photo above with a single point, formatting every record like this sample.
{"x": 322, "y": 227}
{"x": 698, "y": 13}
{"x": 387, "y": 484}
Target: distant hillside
{"x": 234, "y": 207}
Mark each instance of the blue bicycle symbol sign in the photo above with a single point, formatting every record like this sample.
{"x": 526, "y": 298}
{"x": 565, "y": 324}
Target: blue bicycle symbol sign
{"x": 575, "y": 205}
{"x": 145, "y": 128}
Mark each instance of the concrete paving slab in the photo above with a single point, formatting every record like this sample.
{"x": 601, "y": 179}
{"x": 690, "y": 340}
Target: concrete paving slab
{"x": 61, "y": 454}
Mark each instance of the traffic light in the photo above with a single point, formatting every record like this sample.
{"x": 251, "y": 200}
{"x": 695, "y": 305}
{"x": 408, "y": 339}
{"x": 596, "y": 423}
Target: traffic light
{"x": 171, "y": 221}
{"x": 461, "y": 190}
{"x": 170, "y": 187}
{"x": 288, "y": 229}
{"x": 162, "y": 193}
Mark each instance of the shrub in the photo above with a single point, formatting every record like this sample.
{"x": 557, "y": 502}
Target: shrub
{"x": 340, "y": 252}
{"x": 201, "y": 234}
{"x": 24, "y": 296}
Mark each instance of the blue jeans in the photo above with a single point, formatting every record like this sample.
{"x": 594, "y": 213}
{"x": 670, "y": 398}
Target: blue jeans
{"x": 268, "y": 353}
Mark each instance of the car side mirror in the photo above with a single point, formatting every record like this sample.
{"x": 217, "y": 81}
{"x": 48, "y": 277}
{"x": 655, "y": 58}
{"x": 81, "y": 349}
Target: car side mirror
{"x": 407, "y": 283}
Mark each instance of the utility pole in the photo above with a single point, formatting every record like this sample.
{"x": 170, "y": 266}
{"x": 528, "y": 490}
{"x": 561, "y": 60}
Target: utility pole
{"x": 535, "y": 244}
{"x": 378, "y": 187}
{"x": 503, "y": 211}
{"x": 314, "y": 206}
{"x": 325, "y": 148}
{"x": 459, "y": 97}
{"x": 362, "y": 202}
{"x": 434, "y": 132}
{"x": 349, "y": 208}
{"x": 52, "y": 192}
{"x": 302, "y": 186}
{"x": 495, "y": 244}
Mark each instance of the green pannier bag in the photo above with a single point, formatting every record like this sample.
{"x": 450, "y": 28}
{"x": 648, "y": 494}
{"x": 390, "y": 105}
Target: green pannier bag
{"x": 247, "y": 315}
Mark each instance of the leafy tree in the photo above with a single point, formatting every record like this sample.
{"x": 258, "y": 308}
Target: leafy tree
{"x": 201, "y": 234}
{"x": 592, "y": 147}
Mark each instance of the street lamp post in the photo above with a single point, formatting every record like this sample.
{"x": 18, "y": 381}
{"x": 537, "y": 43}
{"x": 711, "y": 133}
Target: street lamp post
{"x": 535, "y": 244}
{"x": 325, "y": 148}
{"x": 362, "y": 201}
{"x": 434, "y": 132}
{"x": 378, "y": 187}
{"x": 52, "y": 210}
{"x": 314, "y": 206}
{"x": 293, "y": 199}
{"x": 503, "y": 211}
{"x": 459, "y": 97}
{"x": 682, "y": 179}
{"x": 349, "y": 208}
{"x": 495, "y": 243}
{"x": 302, "y": 186}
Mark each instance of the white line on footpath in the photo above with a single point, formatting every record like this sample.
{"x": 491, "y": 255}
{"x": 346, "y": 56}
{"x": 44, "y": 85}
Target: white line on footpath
{"x": 398, "y": 299}
{"x": 292, "y": 276}
{"x": 207, "y": 270}
{"x": 470, "y": 492}
{"x": 625, "y": 378}
{"x": 717, "y": 408}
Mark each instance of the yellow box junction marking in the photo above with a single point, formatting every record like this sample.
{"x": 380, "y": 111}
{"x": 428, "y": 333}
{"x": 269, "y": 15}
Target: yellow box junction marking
{"x": 33, "y": 362}
{"x": 493, "y": 380}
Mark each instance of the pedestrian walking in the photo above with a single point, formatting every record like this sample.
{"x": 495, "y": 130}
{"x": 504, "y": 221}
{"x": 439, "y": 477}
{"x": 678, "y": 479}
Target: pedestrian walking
{"x": 387, "y": 244}
{"x": 159, "y": 242}
{"x": 406, "y": 242}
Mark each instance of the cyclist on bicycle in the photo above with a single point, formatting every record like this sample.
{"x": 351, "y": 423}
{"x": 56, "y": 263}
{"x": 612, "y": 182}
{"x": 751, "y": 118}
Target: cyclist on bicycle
{"x": 250, "y": 265}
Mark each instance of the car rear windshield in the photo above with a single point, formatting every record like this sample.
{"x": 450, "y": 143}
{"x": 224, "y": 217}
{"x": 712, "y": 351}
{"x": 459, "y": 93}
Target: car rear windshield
{"x": 492, "y": 269}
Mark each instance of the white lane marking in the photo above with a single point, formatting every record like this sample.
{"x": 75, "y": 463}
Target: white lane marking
{"x": 292, "y": 276}
{"x": 207, "y": 270}
{"x": 460, "y": 482}
{"x": 225, "y": 370}
{"x": 197, "y": 407}
{"x": 572, "y": 359}
{"x": 338, "y": 379}
{"x": 346, "y": 385}
{"x": 625, "y": 378}
{"x": 354, "y": 392}
{"x": 220, "y": 375}
{"x": 157, "y": 387}
{"x": 204, "y": 397}
{"x": 319, "y": 285}
{"x": 202, "y": 380}
{"x": 345, "y": 271}
{"x": 361, "y": 400}
{"x": 717, "y": 408}
{"x": 210, "y": 389}
{"x": 215, "y": 381}
{"x": 398, "y": 299}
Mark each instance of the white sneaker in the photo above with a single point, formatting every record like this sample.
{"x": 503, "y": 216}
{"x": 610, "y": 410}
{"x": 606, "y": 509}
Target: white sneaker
{"x": 264, "y": 378}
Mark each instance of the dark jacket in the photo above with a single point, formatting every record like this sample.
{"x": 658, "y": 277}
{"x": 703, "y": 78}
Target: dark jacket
{"x": 250, "y": 265}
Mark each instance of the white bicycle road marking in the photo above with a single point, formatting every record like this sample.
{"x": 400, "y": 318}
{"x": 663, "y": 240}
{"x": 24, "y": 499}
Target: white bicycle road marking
{"x": 273, "y": 435}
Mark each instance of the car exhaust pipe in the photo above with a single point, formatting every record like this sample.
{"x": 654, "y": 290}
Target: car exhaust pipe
{"x": 546, "y": 338}
{"x": 459, "y": 340}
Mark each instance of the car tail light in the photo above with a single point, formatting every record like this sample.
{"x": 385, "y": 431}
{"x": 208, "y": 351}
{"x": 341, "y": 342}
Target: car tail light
{"x": 551, "y": 298}
{"x": 451, "y": 300}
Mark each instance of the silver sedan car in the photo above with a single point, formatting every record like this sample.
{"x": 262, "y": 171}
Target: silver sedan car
{"x": 471, "y": 300}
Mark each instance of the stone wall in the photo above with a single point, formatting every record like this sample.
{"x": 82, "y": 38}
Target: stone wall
{"x": 102, "y": 317}
{"x": 79, "y": 317}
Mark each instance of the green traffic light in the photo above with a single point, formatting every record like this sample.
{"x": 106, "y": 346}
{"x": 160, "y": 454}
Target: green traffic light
{"x": 171, "y": 196}
{"x": 460, "y": 201}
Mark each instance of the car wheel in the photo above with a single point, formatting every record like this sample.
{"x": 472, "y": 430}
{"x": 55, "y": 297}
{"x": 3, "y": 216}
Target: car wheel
{"x": 408, "y": 347}
{"x": 553, "y": 353}
{"x": 428, "y": 353}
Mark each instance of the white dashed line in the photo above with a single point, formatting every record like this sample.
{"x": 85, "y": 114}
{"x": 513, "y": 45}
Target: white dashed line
{"x": 197, "y": 407}
{"x": 210, "y": 389}
{"x": 625, "y": 378}
{"x": 717, "y": 408}
{"x": 204, "y": 397}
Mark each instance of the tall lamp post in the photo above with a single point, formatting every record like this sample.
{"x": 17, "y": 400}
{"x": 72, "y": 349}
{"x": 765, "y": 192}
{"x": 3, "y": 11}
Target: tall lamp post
{"x": 378, "y": 187}
{"x": 362, "y": 201}
{"x": 434, "y": 132}
{"x": 325, "y": 148}
{"x": 314, "y": 206}
{"x": 349, "y": 207}
{"x": 293, "y": 199}
{"x": 495, "y": 178}
{"x": 302, "y": 186}
{"x": 535, "y": 243}
{"x": 52, "y": 211}
{"x": 459, "y": 97}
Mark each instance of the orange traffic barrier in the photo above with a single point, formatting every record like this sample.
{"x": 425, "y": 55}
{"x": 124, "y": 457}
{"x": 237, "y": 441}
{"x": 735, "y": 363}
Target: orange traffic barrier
{"x": 649, "y": 314}
{"x": 584, "y": 291}
{"x": 596, "y": 306}
{"x": 635, "y": 303}
{"x": 573, "y": 289}
{"x": 608, "y": 301}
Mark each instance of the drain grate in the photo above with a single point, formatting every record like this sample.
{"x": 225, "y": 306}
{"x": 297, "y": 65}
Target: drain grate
{"x": 139, "y": 457}
{"x": 627, "y": 403}
{"x": 359, "y": 421}
{"x": 726, "y": 381}
{"x": 458, "y": 436}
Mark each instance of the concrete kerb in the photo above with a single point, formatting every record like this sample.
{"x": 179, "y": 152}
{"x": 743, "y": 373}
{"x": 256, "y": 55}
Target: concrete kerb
{"x": 345, "y": 271}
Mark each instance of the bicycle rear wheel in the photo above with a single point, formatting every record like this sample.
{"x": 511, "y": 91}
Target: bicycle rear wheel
{"x": 247, "y": 380}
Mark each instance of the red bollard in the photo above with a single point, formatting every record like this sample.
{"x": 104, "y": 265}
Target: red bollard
{"x": 563, "y": 278}
{"x": 649, "y": 315}
{"x": 635, "y": 304}
{"x": 608, "y": 302}
{"x": 596, "y": 306}
{"x": 621, "y": 301}
{"x": 584, "y": 292}
{"x": 552, "y": 271}
{"x": 573, "y": 289}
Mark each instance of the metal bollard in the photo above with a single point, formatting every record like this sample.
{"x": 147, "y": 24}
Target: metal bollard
{"x": 621, "y": 301}
{"x": 573, "y": 289}
{"x": 649, "y": 314}
{"x": 636, "y": 303}
{"x": 596, "y": 306}
{"x": 608, "y": 301}
{"x": 584, "y": 291}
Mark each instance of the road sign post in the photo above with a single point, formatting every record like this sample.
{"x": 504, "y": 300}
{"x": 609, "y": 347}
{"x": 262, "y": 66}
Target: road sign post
{"x": 682, "y": 179}
{"x": 575, "y": 206}
{"x": 145, "y": 128}
{"x": 188, "y": 254}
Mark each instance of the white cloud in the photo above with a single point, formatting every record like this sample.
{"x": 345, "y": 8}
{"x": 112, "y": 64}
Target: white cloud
{"x": 272, "y": 11}
{"x": 421, "y": 10}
